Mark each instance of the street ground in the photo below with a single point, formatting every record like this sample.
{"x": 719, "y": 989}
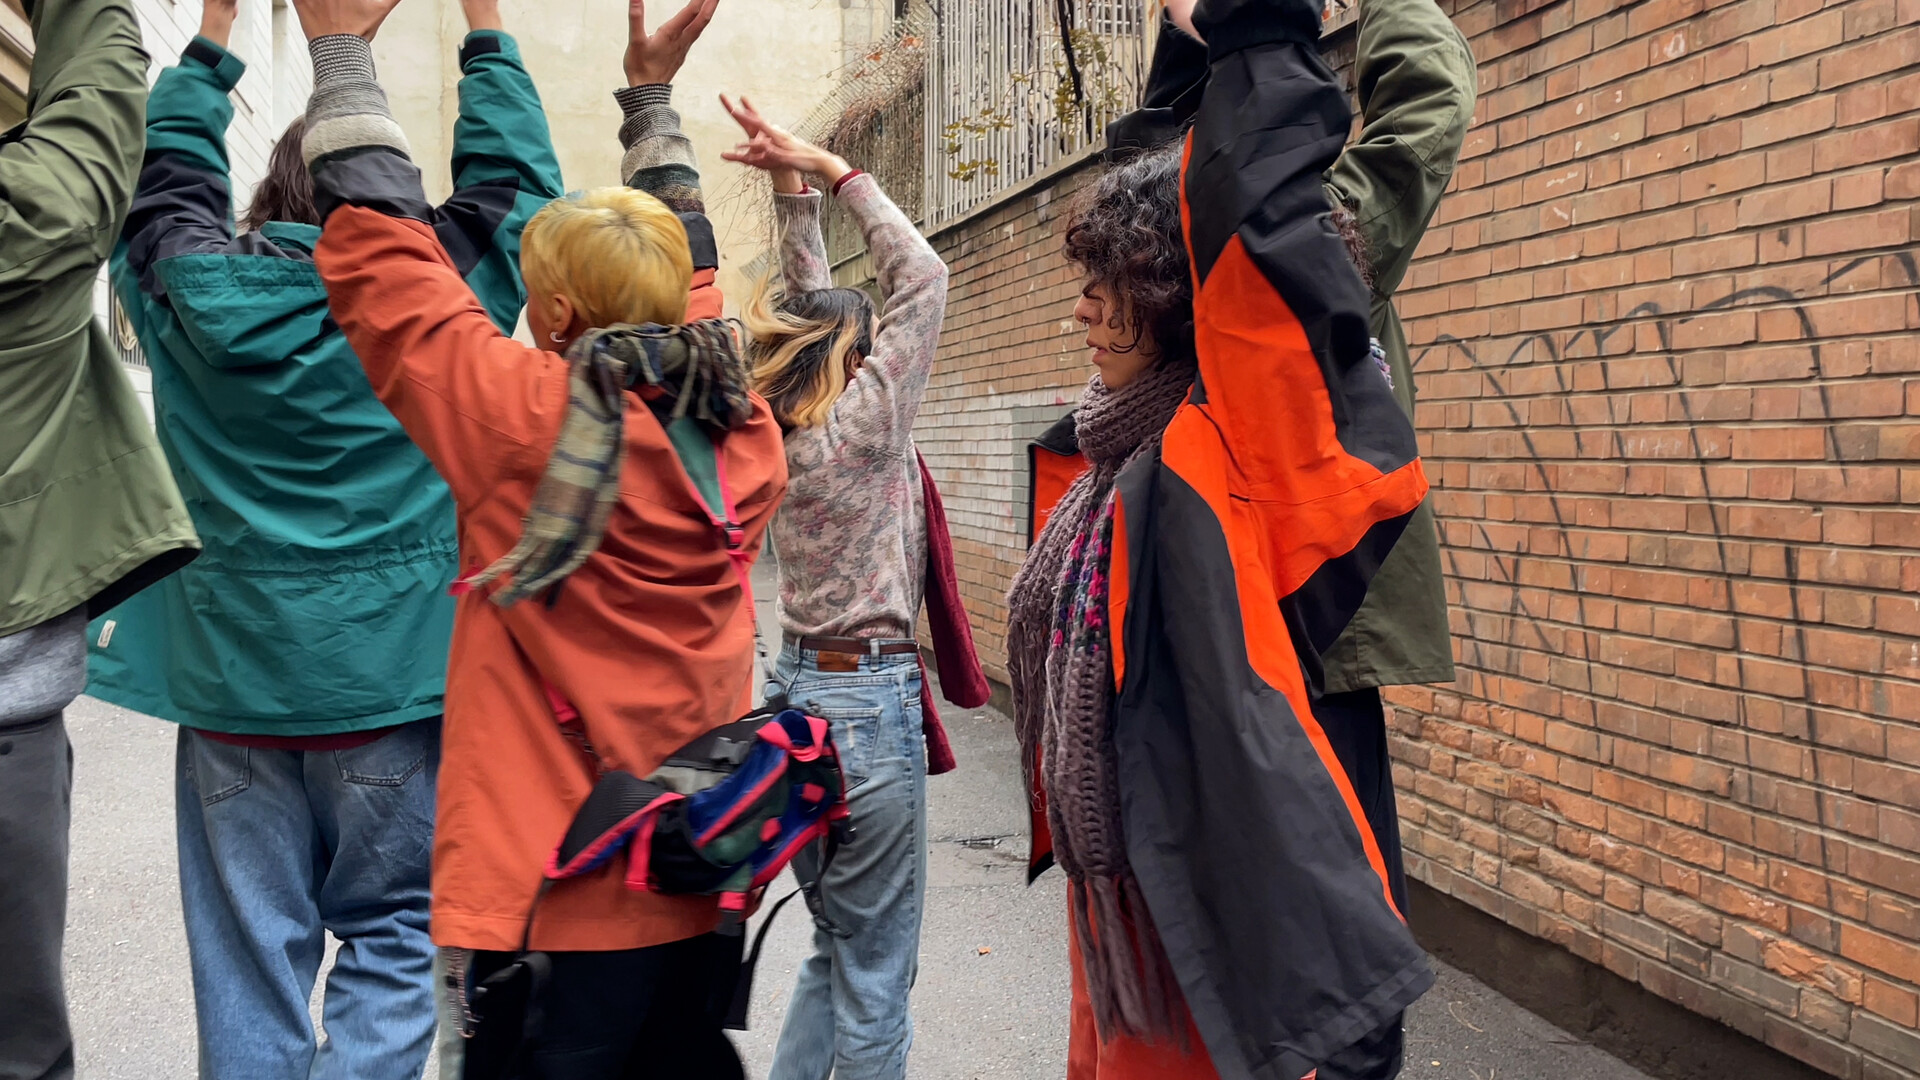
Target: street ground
{"x": 991, "y": 1002}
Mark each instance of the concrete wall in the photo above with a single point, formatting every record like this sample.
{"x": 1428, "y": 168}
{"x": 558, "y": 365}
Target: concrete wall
{"x": 781, "y": 53}
{"x": 1665, "y": 343}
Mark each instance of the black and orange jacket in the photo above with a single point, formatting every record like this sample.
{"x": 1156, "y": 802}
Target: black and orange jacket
{"x": 1242, "y": 552}
{"x": 1415, "y": 82}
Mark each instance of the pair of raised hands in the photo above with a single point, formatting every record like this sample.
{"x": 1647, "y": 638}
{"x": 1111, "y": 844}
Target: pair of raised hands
{"x": 361, "y": 19}
{"x": 650, "y": 59}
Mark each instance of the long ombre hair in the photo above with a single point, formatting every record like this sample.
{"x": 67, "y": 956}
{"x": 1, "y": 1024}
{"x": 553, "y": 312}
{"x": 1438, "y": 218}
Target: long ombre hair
{"x": 805, "y": 347}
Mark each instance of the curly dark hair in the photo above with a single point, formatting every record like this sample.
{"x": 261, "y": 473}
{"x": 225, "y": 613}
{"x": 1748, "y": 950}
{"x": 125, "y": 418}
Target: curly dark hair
{"x": 1125, "y": 234}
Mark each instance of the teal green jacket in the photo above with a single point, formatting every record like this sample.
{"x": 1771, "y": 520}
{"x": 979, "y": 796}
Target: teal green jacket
{"x": 88, "y": 514}
{"x": 319, "y": 604}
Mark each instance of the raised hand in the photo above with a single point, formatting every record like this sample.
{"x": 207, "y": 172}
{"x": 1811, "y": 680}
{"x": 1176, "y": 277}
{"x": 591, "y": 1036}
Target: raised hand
{"x": 482, "y": 14}
{"x": 780, "y": 152}
{"x": 1182, "y": 13}
{"x": 216, "y": 20}
{"x": 656, "y": 57}
{"x": 325, "y": 18}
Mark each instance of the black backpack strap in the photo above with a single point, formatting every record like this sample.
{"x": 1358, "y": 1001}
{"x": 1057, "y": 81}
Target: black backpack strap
{"x": 743, "y": 986}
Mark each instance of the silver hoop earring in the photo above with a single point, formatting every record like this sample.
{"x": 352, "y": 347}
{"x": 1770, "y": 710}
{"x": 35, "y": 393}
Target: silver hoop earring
{"x": 554, "y": 336}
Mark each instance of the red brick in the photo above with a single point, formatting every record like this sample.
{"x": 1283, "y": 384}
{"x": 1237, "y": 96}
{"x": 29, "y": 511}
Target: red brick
{"x": 1876, "y": 56}
{"x": 1896, "y": 1003}
{"x": 1892, "y": 139}
{"x": 1900, "y": 959}
{"x": 1775, "y": 204}
{"x": 1858, "y": 190}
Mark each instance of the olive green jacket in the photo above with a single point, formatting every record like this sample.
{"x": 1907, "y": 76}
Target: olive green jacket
{"x": 88, "y": 511}
{"x": 1415, "y": 79}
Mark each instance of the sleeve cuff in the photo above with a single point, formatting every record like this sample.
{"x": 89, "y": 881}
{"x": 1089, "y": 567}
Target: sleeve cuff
{"x": 852, "y": 175}
{"x": 481, "y": 43}
{"x": 341, "y": 58}
{"x": 226, "y": 67}
{"x": 634, "y": 98}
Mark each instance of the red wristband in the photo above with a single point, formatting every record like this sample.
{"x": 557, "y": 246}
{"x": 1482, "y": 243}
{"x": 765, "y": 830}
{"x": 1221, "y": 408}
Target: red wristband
{"x": 842, "y": 182}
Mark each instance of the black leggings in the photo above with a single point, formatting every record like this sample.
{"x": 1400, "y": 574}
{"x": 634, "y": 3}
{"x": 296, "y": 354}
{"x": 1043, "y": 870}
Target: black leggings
{"x": 634, "y": 1013}
{"x": 1356, "y": 727}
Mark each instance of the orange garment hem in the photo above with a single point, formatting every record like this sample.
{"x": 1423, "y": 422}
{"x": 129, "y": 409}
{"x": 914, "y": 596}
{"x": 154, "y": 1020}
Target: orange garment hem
{"x": 1127, "y": 1058}
{"x": 501, "y": 933}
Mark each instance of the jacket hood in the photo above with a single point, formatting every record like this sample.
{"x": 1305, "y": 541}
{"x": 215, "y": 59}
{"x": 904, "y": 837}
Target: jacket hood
{"x": 248, "y": 310}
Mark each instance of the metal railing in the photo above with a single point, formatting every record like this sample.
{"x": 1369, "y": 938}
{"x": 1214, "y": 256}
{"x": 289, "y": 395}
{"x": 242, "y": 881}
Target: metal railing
{"x": 968, "y": 98}
{"x": 1009, "y": 94}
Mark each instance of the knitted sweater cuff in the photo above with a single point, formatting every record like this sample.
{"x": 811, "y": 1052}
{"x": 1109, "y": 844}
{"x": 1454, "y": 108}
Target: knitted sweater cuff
{"x": 348, "y": 109}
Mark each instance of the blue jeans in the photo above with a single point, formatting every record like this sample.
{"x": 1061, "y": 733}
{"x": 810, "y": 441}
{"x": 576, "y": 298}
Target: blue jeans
{"x": 278, "y": 847}
{"x": 849, "y": 1014}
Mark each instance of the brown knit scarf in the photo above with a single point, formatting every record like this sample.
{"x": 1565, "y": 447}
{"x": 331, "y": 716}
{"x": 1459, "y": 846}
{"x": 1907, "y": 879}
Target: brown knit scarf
{"x": 1060, "y": 662}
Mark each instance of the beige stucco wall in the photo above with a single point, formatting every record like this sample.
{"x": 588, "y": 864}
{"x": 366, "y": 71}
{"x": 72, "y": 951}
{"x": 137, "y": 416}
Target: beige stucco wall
{"x": 781, "y": 53}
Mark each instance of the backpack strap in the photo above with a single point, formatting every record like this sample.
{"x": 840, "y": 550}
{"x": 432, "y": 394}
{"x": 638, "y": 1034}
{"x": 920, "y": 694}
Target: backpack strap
{"x": 743, "y": 986}
{"x": 689, "y": 438}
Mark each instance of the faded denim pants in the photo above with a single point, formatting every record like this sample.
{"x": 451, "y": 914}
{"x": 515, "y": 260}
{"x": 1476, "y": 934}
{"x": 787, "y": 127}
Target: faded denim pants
{"x": 279, "y": 847}
{"x": 849, "y": 1015}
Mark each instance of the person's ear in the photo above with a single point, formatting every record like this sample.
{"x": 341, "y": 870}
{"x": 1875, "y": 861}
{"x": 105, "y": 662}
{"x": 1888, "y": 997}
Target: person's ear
{"x": 554, "y": 326}
{"x": 561, "y": 315}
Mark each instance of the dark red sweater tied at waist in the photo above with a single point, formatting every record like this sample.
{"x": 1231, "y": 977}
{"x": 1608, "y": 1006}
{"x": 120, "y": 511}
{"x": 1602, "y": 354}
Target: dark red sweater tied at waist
{"x": 961, "y": 679}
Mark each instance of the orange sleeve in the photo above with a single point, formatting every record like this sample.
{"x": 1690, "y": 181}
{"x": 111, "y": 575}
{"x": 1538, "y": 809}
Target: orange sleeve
{"x": 480, "y": 405}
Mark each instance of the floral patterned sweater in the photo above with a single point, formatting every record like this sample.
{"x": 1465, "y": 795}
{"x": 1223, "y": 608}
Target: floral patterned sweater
{"x": 851, "y": 538}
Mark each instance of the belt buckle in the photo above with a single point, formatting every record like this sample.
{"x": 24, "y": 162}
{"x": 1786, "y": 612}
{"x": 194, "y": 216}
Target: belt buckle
{"x": 837, "y": 661}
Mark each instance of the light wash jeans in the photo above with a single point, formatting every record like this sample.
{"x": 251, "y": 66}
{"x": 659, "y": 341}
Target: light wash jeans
{"x": 278, "y": 847}
{"x": 849, "y": 1014}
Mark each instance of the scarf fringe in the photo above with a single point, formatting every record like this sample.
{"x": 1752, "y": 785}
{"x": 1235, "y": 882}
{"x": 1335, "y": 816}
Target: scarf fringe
{"x": 1130, "y": 982}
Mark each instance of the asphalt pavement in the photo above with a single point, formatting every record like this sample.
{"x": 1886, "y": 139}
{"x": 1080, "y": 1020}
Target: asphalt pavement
{"x": 991, "y": 1001}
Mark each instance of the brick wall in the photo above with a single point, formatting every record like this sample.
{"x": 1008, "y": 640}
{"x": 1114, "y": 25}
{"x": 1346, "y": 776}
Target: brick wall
{"x": 1664, "y": 334}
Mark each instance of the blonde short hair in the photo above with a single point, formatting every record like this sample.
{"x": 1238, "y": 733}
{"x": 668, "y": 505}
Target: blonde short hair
{"x": 618, "y": 254}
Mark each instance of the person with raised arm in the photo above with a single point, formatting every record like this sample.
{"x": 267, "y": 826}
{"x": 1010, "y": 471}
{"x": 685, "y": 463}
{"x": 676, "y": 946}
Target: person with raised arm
{"x": 603, "y": 620}
{"x": 304, "y": 654}
{"x": 1192, "y": 611}
{"x": 88, "y": 514}
{"x": 861, "y": 542}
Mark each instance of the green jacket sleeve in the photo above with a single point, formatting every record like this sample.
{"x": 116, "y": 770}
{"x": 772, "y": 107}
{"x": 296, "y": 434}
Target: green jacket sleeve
{"x": 67, "y": 174}
{"x": 1416, "y": 83}
{"x": 504, "y": 171}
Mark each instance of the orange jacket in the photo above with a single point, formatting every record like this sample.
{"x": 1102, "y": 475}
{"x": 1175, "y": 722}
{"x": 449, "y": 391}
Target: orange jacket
{"x": 651, "y": 639}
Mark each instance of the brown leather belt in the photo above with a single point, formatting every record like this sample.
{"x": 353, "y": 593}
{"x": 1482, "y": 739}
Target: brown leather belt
{"x": 858, "y": 646}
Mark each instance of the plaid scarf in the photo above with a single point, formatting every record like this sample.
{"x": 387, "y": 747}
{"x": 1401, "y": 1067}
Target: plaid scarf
{"x": 697, "y": 368}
